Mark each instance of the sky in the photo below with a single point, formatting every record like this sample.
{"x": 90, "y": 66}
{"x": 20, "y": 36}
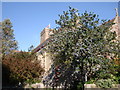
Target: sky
{"x": 30, "y": 18}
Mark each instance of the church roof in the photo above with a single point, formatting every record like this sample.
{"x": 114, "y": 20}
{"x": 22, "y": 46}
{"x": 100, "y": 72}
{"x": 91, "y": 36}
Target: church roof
{"x": 40, "y": 46}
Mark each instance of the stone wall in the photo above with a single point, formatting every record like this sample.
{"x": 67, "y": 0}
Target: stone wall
{"x": 45, "y": 60}
{"x": 44, "y": 35}
{"x": 119, "y": 26}
{"x": 116, "y": 26}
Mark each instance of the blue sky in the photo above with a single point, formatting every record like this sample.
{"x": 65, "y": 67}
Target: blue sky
{"x": 30, "y": 18}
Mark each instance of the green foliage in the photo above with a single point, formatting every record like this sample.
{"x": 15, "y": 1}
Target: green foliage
{"x": 79, "y": 85}
{"x": 22, "y": 67}
{"x": 9, "y": 44}
{"x": 90, "y": 82}
{"x": 31, "y": 81}
{"x": 30, "y": 48}
{"x": 105, "y": 83}
{"x": 117, "y": 70}
{"x": 116, "y": 74}
{"x": 82, "y": 43}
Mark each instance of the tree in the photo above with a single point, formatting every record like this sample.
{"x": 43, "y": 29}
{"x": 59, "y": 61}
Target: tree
{"x": 30, "y": 48}
{"x": 83, "y": 44}
{"x": 21, "y": 67}
{"x": 9, "y": 44}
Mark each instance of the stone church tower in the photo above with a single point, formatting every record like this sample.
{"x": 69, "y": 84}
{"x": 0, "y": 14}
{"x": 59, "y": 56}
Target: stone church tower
{"x": 44, "y": 34}
{"x": 42, "y": 55}
{"x": 116, "y": 25}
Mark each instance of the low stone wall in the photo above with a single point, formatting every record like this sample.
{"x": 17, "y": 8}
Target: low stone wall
{"x": 36, "y": 85}
{"x": 87, "y": 86}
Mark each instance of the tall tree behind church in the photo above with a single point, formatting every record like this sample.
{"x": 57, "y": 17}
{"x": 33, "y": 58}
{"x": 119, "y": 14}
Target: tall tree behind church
{"x": 9, "y": 44}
